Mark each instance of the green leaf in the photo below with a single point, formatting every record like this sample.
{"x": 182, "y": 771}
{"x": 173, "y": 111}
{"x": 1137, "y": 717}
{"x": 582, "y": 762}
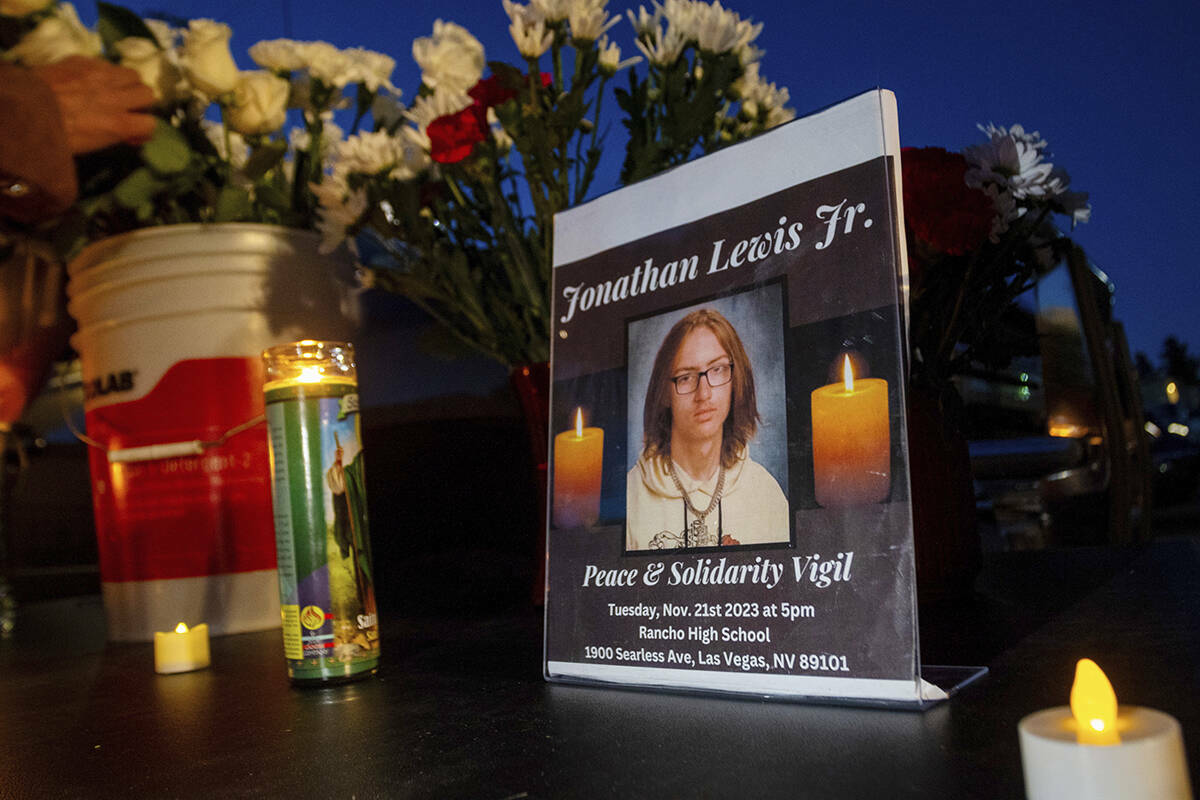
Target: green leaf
{"x": 271, "y": 197}
{"x": 233, "y": 205}
{"x": 262, "y": 159}
{"x": 510, "y": 76}
{"x": 138, "y": 188}
{"x": 167, "y": 152}
{"x": 117, "y": 23}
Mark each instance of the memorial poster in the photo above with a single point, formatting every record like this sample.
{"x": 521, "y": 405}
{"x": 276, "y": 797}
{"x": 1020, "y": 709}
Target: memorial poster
{"x": 729, "y": 490}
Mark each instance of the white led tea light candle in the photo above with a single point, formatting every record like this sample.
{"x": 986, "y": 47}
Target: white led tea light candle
{"x": 1100, "y": 751}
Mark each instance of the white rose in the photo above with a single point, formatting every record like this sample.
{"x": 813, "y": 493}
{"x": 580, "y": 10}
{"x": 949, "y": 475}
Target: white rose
{"x": 259, "y": 103}
{"x": 22, "y": 8}
{"x": 56, "y": 37}
{"x": 163, "y": 33}
{"x": 206, "y": 57}
{"x": 451, "y": 59}
{"x": 152, "y": 65}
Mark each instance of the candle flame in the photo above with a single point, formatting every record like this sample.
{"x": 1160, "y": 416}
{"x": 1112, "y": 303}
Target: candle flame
{"x": 310, "y": 375}
{"x": 848, "y": 375}
{"x": 1094, "y": 704}
{"x": 181, "y": 628}
{"x": 579, "y": 422}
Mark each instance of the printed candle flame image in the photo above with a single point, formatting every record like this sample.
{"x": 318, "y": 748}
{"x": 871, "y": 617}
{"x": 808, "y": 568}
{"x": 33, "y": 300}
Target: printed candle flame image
{"x": 578, "y": 465}
{"x": 851, "y": 438}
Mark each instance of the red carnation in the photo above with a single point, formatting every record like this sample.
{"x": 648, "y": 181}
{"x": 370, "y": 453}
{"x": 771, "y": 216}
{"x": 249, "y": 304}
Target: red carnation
{"x": 454, "y": 136}
{"x": 942, "y": 211}
{"x": 491, "y": 92}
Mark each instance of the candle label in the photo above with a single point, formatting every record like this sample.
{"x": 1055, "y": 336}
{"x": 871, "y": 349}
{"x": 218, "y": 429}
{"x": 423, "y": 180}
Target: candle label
{"x": 327, "y": 586}
{"x": 730, "y": 504}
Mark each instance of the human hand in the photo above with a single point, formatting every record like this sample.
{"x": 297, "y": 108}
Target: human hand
{"x": 100, "y": 102}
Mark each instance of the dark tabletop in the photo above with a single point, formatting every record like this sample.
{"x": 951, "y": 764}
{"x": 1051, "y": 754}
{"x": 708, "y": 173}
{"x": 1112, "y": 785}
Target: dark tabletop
{"x": 459, "y": 708}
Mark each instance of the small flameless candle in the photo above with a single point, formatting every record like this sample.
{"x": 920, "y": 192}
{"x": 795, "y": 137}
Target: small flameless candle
{"x": 1096, "y": 750}
{"x": 181, "y": 650}
{"x": 578, "y": 463}
{"x": 851, "y": 439}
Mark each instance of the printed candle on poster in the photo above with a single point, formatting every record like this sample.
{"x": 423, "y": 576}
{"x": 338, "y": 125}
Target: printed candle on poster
{"x": 851, "y": 440}
{"x": 578, "y": 466}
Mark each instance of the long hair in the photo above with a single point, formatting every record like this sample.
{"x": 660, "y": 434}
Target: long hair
{"x": 742, "y": 421}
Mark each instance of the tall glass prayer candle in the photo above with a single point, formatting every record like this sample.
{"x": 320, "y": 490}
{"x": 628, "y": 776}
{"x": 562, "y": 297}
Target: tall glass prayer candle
{"x": 851, "y": 439}
{"x": 326, "y": 582}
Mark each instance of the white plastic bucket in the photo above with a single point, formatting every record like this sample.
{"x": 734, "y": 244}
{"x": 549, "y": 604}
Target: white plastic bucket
{"x": 172, "y": 322}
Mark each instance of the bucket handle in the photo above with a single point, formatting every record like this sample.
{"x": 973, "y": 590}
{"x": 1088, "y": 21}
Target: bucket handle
{"x": 156, "y": 452}
{"x": 153, "y": 452}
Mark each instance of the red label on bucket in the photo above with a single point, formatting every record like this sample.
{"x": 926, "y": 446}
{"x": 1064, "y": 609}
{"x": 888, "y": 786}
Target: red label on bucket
{"x": 187, "y": 516}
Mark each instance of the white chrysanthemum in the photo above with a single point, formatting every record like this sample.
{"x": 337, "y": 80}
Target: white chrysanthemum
{"x": 1075, "y": 205}
{"x": 589, "y": 20}
{"x": 338, "y": 69}
{"x": 426, "y": 109}
{"x": 238, "y": 152}
{"x": 280, "y": 55}
{"x": 1005, "y": 206}
{"x": 749, "y": 54}
{"x": 777, "y": 115}
{"x": 1013, "y": 159}
{"x": 747, "y": 32}
{"x": 300, "y": 140}
{"x": 415, "y": 138}
{"x": 500, "y": 136}
{"x": 643, "y": 21}
{"x": 760, "y": 99}
{"x": 373, "y": 153}
{"x": 528, "y": 29}
{"x": 683, "y": 16}
{"x": 663, "y": 49}
{"x": 387, "y": 110}
{"x": 451, "y": 59}
{"x": 553, "y": 10}
{"x": 372, "y": 69}
{"x": 610, "y": 57}
{"x": 339, "y": 208}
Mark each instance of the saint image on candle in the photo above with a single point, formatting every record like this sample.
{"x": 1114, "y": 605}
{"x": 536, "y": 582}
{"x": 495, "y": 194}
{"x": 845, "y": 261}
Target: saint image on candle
{"x": 695, "y": 484}
{"x": 1097, "y": 749}
{"x": 851, "y": 437}
{"x": 578, "y": 468}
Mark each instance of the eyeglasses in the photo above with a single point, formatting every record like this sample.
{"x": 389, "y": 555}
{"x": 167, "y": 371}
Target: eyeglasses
{"x": 689, "y": 382}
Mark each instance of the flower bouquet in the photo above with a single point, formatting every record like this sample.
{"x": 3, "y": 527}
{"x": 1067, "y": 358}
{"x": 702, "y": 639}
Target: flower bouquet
{"x": 980, "y": 229}
{"x": 452, "y": 200}
{"x": 222, "y": 150}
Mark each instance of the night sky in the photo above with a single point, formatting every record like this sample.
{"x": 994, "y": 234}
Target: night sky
{"x": 1111, "y": 88}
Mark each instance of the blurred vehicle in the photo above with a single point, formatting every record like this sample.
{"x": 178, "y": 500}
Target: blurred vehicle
{"x": 1174, "y": 454}
{"x": 1058, "y": 452}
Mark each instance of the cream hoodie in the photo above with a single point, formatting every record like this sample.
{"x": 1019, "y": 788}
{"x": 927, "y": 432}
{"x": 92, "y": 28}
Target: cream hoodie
{"x": 753, "y": 509}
